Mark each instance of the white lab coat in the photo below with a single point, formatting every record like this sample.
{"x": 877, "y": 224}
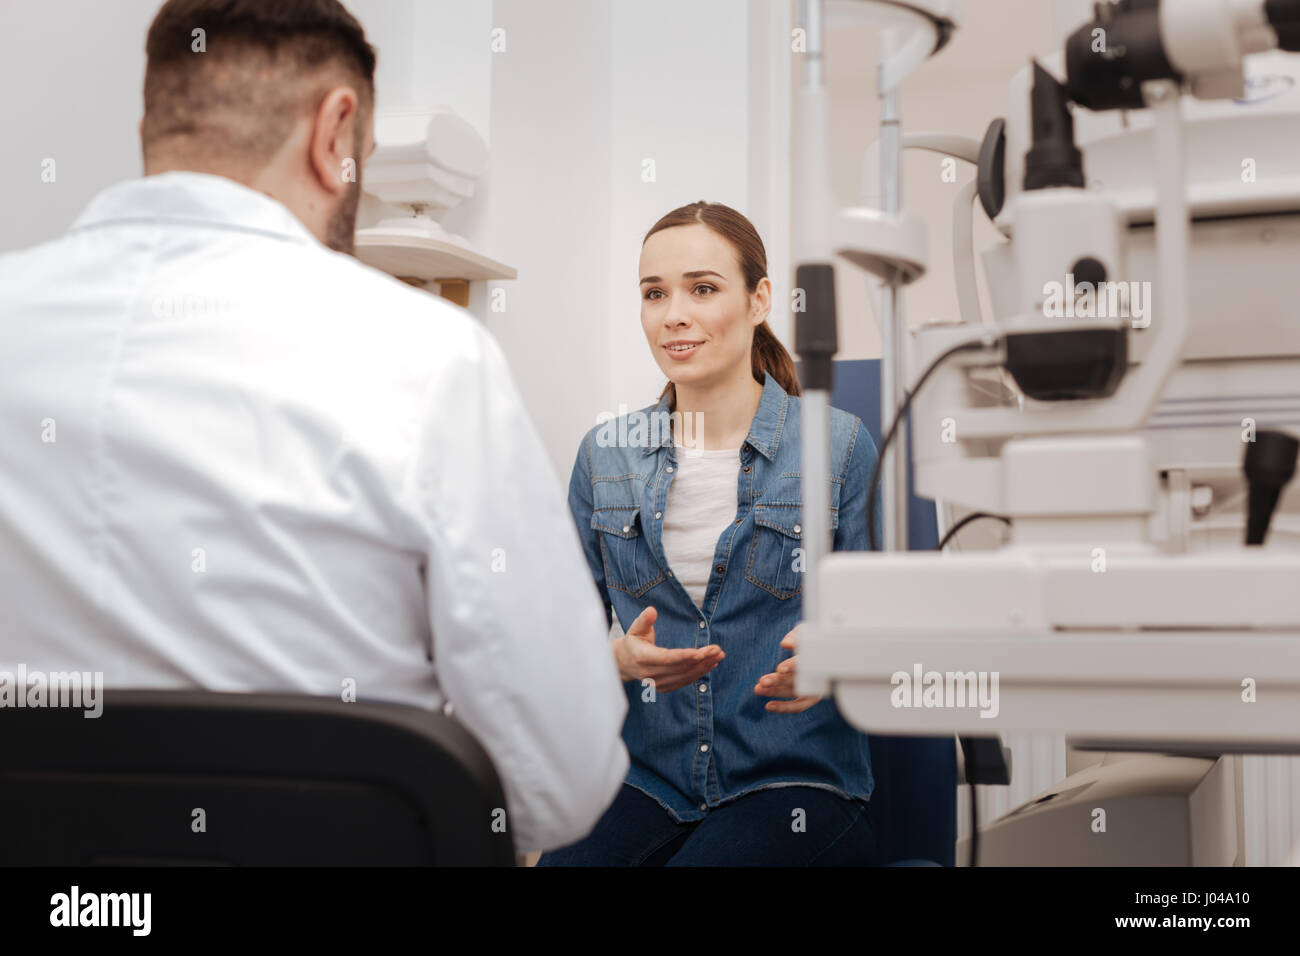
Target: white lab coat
{"x": 234, "y": 459}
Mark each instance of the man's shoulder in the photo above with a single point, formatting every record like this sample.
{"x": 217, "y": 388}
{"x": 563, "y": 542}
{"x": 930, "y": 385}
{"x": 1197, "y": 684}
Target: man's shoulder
{"x": 26, "y": 263}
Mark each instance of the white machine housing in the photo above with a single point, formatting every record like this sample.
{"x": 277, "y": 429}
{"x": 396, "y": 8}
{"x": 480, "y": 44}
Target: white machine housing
{"x": 1124, "y": 608}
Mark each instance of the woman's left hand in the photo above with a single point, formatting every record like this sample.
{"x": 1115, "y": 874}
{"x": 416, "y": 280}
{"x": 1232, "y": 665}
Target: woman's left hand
{"x": 781, "y": 682}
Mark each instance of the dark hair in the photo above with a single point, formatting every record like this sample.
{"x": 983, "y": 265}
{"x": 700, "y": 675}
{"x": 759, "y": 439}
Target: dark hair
{"x": 241, "y": 94}
{"x": 767, "y": 353}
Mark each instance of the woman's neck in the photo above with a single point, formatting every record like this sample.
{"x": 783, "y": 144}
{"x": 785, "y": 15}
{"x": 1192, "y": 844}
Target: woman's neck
{"x": 718, "y": 415}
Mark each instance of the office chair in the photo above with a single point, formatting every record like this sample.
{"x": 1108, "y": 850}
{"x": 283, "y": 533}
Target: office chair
{"x": 203, "y": 778}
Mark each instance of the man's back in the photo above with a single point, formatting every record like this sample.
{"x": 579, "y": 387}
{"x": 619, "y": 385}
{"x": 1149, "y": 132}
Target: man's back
{"x": 234, "y": 459}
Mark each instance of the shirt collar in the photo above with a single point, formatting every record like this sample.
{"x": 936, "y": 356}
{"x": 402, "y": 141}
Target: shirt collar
{"x": 197, "y": 198}
{"x": 764, "y": 431}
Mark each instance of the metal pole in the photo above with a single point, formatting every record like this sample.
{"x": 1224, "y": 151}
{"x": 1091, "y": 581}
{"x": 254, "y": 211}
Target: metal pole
{"x": 893, "y": 340}
{"x": 815, "y": 327}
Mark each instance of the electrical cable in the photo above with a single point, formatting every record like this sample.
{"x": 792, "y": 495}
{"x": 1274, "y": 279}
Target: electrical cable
{"x": 973, "y": 516}
{"x": 873, "y": 486}
{"x": 974, "y": 829}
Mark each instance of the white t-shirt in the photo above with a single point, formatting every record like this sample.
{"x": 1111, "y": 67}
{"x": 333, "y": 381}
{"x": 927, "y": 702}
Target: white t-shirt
{"x": 702, "y": 503}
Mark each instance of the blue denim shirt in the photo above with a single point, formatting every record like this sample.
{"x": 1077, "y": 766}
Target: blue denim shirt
{"x": 713, "y": 741}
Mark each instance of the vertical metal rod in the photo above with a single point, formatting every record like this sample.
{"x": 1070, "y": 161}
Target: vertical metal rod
{"x": 813, "y": 167}
{"x": 816, "y": 537}
{"x": 893, "y": 340}
{"x": 812, "y": 24}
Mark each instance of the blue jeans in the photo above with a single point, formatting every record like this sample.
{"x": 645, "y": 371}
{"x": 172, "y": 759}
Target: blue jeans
{"x": 783, "y": 826}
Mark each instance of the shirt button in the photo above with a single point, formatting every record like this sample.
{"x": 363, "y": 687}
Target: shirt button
{"x": 745, "y": 469}
{"x": 718, "y": 569}
{"x": 704, "y": 688}
{"x": 704, "y": 806}
{"x": 627, "y": 528}
{"x": 704, "y": 748}
{"x": 659, "y": 514}
{"x": 701, "y": 625}
{"x": 797, "y": 529}
{"x": 669, "y": 573}
{"x": 740, "y": 521}
{"x": 670, "y": 469}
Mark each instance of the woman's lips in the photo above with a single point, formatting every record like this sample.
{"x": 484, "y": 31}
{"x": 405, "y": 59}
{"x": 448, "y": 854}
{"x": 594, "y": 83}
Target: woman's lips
{"x": 680, "y": 355}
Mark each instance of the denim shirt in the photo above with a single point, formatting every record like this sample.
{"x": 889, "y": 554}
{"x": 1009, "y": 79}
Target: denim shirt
{"x": 713, "y": 741}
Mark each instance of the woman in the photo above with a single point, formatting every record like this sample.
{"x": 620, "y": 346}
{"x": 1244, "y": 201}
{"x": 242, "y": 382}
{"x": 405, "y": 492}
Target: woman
{"x": 692, "y": 532}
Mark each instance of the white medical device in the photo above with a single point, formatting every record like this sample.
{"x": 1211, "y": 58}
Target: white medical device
{"x": 1126, "y": 409}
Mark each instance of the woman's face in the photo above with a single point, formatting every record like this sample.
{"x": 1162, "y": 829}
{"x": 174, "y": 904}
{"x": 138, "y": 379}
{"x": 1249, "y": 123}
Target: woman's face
{"x": 697, "y": 315}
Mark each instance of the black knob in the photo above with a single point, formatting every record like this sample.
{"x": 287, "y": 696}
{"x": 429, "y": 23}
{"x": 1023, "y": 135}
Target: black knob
{"x": 1269, "y": 466}
{"x": 1088, "y": 270}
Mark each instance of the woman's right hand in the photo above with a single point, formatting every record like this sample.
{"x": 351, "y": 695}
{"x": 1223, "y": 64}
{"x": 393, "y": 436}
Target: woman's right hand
{"x": 669, "y": 668}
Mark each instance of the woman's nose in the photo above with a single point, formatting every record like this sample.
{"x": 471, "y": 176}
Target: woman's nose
{"x": 676, "y": 316}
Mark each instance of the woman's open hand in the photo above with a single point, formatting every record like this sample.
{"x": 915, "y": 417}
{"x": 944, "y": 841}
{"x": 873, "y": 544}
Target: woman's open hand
{"x": 670, "y": 668}
{"x": 781, "y": 682}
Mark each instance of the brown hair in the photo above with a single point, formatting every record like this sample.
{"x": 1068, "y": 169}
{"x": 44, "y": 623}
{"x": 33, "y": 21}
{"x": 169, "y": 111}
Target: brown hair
{"x": 767, "y": 353}
{"x": 236, "y": 89}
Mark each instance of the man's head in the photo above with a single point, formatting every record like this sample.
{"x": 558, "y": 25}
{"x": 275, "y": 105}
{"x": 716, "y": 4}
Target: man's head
{"x": 276, "y": 95}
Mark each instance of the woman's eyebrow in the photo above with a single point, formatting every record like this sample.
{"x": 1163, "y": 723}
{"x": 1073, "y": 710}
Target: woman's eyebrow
{"x": 685, "y": 275}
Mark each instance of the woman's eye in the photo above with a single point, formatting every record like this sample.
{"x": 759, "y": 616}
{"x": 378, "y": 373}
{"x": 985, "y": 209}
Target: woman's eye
{"x": 654, "y": 294}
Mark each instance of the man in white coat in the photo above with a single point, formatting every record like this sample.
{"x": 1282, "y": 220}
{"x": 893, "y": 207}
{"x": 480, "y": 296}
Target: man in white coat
{"x": 233, "y": 457}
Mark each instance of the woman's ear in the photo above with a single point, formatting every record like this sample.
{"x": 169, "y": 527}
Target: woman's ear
{"x": 760, "y": 305}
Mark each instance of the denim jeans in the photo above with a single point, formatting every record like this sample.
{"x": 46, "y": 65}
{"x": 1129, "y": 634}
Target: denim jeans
{"x": 781, "y": 826}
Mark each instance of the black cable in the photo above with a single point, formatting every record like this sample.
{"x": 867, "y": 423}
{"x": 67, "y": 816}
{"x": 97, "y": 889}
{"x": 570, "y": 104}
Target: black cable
{"x": 973, "y": 516}
{"x": 974, "y": 829}
{"x": 975, "y": 773}
{"x": 873, "y": 486}
{"x": 969, "y": 749}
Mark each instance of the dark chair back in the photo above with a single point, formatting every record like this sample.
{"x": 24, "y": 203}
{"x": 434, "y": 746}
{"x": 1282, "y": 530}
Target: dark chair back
{"x": 202, "y": 778}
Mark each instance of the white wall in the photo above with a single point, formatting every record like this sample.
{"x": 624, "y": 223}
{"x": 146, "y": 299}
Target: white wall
{"x": 545, "y": 209}
{"x": 72, "y": 72}
{"x": 679, "y": 94}
{"x": 585, "y": 90}
{"x": 431, "y": 52}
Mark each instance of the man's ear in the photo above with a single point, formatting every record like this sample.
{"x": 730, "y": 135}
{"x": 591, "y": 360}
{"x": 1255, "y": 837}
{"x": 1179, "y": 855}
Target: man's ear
{"x": 332, "y": 148}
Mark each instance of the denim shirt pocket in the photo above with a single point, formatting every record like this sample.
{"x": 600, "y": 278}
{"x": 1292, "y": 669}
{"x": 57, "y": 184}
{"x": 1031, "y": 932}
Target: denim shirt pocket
{"x": 776, "y": 557}
{"x": 629, "y": 564}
